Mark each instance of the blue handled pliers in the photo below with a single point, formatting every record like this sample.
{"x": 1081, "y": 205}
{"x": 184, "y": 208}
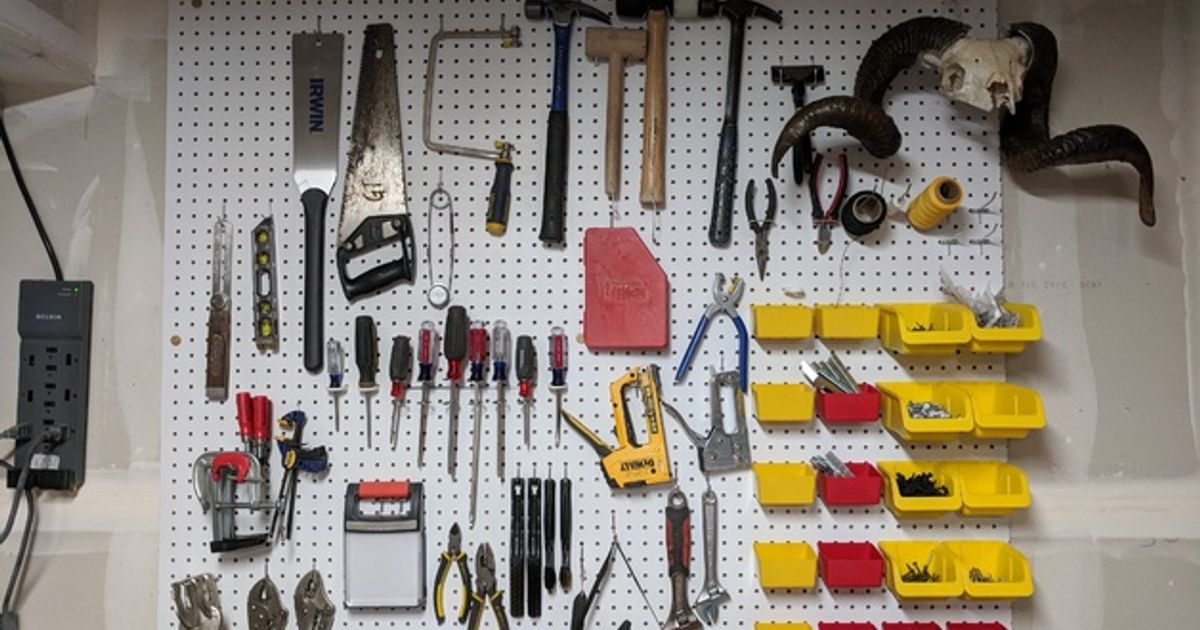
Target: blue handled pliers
{"x": 725, "y": 300}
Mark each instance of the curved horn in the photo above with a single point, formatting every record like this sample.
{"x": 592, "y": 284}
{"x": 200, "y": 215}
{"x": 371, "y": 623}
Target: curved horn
{"x": 862, "y": 119}
{"x": 898, "y": 49}
{"x": 1025, "y": 136}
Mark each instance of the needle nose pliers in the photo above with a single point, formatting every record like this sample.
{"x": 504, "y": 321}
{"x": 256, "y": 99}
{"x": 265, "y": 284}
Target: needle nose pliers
{"x": 761, "y": 228}
{"x": 725, "y": 300}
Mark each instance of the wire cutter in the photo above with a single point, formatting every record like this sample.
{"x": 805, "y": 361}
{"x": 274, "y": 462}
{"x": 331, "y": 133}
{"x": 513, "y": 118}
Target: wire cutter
{"x": 824, "y": 217}
{"x": 452, "y": 555}
{"x": 760, "y": 229}
{"x": 485, "y": 594}
{"x": 725, "y": 300}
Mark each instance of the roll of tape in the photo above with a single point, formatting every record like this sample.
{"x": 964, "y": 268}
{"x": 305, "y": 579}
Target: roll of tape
{"x": 941, "y": 197}
{"x": 863, "y": 212}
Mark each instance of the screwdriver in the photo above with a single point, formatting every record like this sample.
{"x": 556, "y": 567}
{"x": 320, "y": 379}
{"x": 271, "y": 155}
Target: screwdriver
{"x": 516, "y": 551}
{"x": 454, "y": 347}
{"x": 477, "y": 349}
{"x": 548, "y": 494}
{"x": 533, "y": 546}
{"x": 558, "y": 376}
{"x": 427, "y": 353}
{"x": 366, "y": 357}
{"x": 501, "y": 354}
{"x": 526, "y": 375}
{"x": 336, "y": 366}
{"x": 564, "y": 528}
{"x": 400, "y": 371}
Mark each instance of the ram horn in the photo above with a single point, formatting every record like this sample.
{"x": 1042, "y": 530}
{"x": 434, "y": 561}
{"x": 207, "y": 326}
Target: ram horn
{"x": 862, "y": 115}
{"x": 1025, "y": 135}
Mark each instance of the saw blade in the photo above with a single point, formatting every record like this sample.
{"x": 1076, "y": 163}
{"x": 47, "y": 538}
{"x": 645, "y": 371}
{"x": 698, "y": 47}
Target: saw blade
{"x": 375, "y": 168}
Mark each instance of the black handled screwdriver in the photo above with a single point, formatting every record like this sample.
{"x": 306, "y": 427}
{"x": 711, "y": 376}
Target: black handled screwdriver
{"x": 548, "y": 515}
{"x": 516, "y": 557}
{"x": 526, "y": 377}
{"x": 533, "y": 548}
{"x": 400, "y": 371}
{"x": 564, "y": 528}
{"x": 366, "y": 357}
{"x": 454, "y": 347}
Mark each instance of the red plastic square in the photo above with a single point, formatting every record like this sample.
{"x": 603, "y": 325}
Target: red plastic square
{"x": 850, "y": 564}
{"x": 834, "y": 407}
{"x": 910, "y": 625}
{"x": 974, "y": 625}
{"x": 845, "y": 625}
{"x": 864, "y": 488}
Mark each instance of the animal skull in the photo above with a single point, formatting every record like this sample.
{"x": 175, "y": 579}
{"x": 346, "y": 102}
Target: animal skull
{"x": 987, "y": 74}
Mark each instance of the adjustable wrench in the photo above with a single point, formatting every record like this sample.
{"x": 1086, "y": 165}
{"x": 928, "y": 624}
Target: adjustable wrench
{"x": 679, "y": 558}
{"x": 712, "y": 595}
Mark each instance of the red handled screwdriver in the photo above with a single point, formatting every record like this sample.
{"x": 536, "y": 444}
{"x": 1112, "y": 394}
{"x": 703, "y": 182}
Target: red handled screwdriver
{"x": 427, "y": 354}
{"x": 477, "y": 352}
{"x": 501, "y": 354}
{"x": 400, "y": 371}
{"x": 558, "y": 376}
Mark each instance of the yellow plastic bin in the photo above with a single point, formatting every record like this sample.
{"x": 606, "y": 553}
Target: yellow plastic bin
{"x": 991, "y": 488}
{"x": 783, "y": 402}
{"x": 785, "y": 483}
{"x": 916, "y": 507}
{"x": 782, "y": 321}
{"x": 1002, "y": 410}
{"x": 897, "y": 419}
{"x": 847, "y": 322}
{"x": 781, "y": 625}
{"x": 940, "y": 560}
{"x": 991, "y": 569}
{"x": 924, "y": 328}
{"x": 786, "y": 564}
{"x": 1028, "y": 330}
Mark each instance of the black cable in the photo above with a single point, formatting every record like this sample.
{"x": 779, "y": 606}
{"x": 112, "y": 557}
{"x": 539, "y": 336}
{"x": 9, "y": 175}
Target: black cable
{"x": 12, "y": 511}
{"x": 22, "y": 552}
{"x": 33, "y": 211}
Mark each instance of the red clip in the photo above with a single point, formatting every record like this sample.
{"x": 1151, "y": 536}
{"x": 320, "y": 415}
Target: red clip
{"x": 237, "y": 460}
{"x": 382, "y": 490}
{"x": 245, "y": 415}
{"x": 262, "y": 418}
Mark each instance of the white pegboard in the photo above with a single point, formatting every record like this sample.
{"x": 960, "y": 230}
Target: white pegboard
{"x": 230, "y": 142}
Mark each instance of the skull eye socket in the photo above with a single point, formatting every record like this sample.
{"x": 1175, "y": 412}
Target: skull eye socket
{"x": 954, "y": 77}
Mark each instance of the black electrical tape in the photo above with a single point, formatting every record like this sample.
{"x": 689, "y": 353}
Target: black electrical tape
{"x": 863, "y": 212}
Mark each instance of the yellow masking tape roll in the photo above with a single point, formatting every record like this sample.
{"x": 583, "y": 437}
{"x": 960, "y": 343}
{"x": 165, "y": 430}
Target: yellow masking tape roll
{"x": 941, "y": 197}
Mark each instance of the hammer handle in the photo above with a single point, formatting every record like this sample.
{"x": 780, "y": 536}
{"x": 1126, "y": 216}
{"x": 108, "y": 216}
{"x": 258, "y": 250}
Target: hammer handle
{"x": 654, "y": 121}
{"x": 554, "y": 193}
{"x": 720, "y": 227}
{"x": 612, "y": 138}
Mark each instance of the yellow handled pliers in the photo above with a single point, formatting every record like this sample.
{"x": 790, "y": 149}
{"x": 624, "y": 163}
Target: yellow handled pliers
{"x": 452, "y": 555}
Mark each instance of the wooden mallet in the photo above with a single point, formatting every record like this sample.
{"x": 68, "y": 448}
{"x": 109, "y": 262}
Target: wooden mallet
{"x": 617, "y": 46}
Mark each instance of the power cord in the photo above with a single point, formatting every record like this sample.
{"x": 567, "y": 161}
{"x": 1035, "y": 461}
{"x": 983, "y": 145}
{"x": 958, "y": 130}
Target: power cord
{"x": 33, "y": 211}
{"x": 51, "y": 437}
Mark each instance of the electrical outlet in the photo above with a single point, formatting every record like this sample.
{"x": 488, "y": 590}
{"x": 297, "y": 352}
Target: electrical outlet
{"x": 55, "y": 324}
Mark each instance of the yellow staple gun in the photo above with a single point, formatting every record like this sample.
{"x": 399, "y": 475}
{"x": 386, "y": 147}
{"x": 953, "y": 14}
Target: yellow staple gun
{"x": 631, "y": 464}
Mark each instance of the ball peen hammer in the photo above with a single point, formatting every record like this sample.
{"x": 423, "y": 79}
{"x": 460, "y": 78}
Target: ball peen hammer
{"x": 617, "y": 46}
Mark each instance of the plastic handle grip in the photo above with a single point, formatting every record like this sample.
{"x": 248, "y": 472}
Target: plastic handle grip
{"x": 720, "y": 227}
{"x": 400, "y": 365}
{"x": 499, "y": 199}
{"x": 554, "y": 193}
{"x": 679, "y": 538}
{"x": 315, "y": 203}
{"x": 374, "y": 233}
{"x": 526, "y": 359}
{"x": 383, "y": 490}
{"x": 366, "y": 350}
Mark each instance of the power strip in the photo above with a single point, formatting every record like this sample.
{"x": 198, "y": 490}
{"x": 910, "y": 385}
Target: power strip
{"x": 55, "y": 324}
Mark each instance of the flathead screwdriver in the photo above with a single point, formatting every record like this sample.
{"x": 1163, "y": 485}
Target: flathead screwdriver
{"x": 336, "y": 366}
{"x": 477, "y": 351}
{"x": 558, "y": 376}
{"x": 427, "y": 354}
{"x": 400, "y": 371}
{"x": 526, "y": 377}
{"x": 454, "y": 347}
{"x": 501, "y": 355}
{"x": 366, "y": 357}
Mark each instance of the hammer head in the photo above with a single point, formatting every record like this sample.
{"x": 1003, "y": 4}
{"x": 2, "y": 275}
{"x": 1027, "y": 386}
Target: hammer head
{"x": 563, "y": 11}
{"x": 602, "y": 43}
{"x": 677, "y": 8}
{"x": 792, "y": 75}
{"x": 746, "y": 9}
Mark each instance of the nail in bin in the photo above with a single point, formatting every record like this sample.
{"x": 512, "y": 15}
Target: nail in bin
{"x": 864, "y": 488}
{"x": 974, "y": 625}
{"x": 918, "y": 506}
{"x": 782, "y": 322}
{"x": 850, "y": 564}
{"x": 896, "y": 417}
{"x": 845, "y": 625}
{"x": 924, "y": 328}
{"x": 847, "y": 322}
{"x": 936, "y": 557}
{"x": 910, "y": 625}
{"x": 976, "y": 488}
{"x": 785, "y": 483}
{"x": 783, "y": 402}
{"x": 836, "y": 407}
{"x": 786, "y": 565}
{"x": 1005, "y": 567}
{"x": 781, "y": 625}
{"x": 1008, "y": 340}
{"x": 977, "y": 569}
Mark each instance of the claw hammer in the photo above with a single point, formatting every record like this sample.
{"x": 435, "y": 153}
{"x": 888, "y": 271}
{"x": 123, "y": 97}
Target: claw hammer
{"x": 554, "y": 192}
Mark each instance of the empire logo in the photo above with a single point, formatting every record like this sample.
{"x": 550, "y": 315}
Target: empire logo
{"x": 316, "y": 105}
{"x": 637, "y": 464}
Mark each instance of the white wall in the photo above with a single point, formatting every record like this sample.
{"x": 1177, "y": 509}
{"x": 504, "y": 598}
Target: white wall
{"x": 1115, "y": 532}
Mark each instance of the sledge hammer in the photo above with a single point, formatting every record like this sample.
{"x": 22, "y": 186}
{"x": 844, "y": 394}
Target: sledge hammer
{"x": 799, "y": 77}
{"x": 617, "y": 46}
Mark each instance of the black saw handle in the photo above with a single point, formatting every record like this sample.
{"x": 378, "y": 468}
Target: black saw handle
{"x": 554, "y": 195}
{"x": 371, "y": 234}
{"x": 720, "y": 228}
{"x": 315, "y": 203}
{"x": 500, "y": 198}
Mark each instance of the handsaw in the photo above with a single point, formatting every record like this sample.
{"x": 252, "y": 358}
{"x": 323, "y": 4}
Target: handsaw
{"x": 316, "y": 90}
{"x": 374, "y": 209}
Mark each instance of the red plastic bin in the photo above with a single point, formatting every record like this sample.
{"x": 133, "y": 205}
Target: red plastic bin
{"x": 835, "y": 407}
{"x": 850, "y": 564}
{"x": 974, "y": 625}
{"x": 910, "y": 625}
{"x": 845, "y": 625}
{"x": 864, "y": 488}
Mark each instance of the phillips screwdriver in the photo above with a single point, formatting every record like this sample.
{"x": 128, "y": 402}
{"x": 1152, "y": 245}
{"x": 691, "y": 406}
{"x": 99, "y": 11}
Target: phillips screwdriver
{"x": 548, "y": 515}
{"x": 526, "y": 375}
{"x": 516, "y": 551}
{"x": 558, "y": 376}
{"x": 366, "y": 357}
{"x": 400, "y": 371}
{"x": 477, "y": 349}
{"x": 501, "y": 355}
{"x": 427, "y": 354}
{"x": 564, "y": 528}
{"x": 336, "y": 367}
{"x": 454, "y": 347}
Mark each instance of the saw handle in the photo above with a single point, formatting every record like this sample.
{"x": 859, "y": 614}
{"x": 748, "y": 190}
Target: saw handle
{"x": 372, "y": 235}
{"x": 315, "y": 202}
{"x": 500, "y": 198}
